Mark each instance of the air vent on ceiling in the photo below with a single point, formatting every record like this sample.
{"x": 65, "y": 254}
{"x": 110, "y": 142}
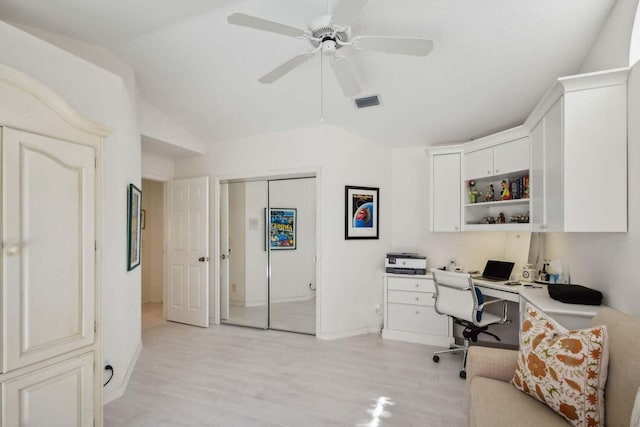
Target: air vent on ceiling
{"x": 367, "y": 101}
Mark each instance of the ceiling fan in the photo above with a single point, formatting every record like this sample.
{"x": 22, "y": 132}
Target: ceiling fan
{"x": 329, "y": 33}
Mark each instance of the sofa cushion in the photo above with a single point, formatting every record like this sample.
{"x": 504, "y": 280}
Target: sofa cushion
{"x": 624, "y": 364}
{"x": 497, "y": 403}
{"x": 566, "y": 370}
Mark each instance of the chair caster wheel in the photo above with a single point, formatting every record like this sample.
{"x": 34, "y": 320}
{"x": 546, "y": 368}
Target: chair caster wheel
{"x": 436, "y": 358}
{"x": 463, "y": 374}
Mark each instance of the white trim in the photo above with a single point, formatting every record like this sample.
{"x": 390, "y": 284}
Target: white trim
{"x": 349, "y": 333}
{"x": 155, "y": 177}
{"x": 437, "y": 340}
{"x": 505, "y": 136}
{"x": 52, "y": 100}
{"x": 117, "y": 392}
{"x": 618, "y": 76}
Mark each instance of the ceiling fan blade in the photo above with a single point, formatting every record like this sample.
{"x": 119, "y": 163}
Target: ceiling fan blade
{"x": 347, "y": 80}
{"x": 404, "y": 46}
{"x": 283, "y": 69}
{"x": 346, "y": 11}
{"x": 264, "y": 25}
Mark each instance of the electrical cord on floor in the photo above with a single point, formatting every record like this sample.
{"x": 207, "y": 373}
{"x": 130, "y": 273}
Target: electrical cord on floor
{"x": 108, "y": 368}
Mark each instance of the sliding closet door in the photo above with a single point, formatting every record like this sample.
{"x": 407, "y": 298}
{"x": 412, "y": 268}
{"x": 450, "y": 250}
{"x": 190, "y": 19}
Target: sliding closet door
{"x": 292, "y": 245}
{"x": 246, "y": 254}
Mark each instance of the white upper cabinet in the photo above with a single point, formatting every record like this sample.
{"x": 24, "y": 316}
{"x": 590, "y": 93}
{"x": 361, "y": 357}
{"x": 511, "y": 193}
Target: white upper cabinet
{"x": 579, "y": 167}
{"x": 478, "y": 164}
{"x": 511, "y": 157}
{"x": 446, "y": 187}
{"x": 499, "y": 158}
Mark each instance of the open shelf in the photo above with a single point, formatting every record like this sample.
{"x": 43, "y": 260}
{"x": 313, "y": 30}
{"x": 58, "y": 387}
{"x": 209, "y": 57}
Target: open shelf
{"x": 512, "y": 226}
{"x": 498, "y": 203}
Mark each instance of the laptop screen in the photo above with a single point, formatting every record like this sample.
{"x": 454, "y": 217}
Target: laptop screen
{"x": 498, "y": 270}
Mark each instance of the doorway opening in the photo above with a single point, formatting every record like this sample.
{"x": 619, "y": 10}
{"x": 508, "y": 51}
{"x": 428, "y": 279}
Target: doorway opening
{"x": 268, "y": 253}
{"x": 152, "y": 248}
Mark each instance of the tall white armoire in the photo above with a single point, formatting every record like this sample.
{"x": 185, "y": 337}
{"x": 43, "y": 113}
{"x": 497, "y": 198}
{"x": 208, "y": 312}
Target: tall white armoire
{"x": 50, "y": 343}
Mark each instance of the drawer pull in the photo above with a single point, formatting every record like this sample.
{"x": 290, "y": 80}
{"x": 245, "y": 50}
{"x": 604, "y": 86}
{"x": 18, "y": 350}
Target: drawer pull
{"x": 417, "y": 311}
{"x": 417, "y": 298}
{"x": 417, "y": 285}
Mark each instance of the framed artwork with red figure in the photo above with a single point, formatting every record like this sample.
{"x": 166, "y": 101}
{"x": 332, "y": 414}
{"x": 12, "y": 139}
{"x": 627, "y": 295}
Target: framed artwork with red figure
{"x": 362, "y": 212}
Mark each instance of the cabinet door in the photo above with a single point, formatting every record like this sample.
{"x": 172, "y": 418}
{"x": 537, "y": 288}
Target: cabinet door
{"x": 478, "y": 164}
{"x": 58, "y": 396}
{"x": 49, "y": 242}
{"x": 553, "y": 169}
{"x": 446, "y": 187}
{"x": 511, "y": 156}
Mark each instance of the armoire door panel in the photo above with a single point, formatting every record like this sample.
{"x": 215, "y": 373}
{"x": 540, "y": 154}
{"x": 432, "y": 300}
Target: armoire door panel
{"x": 57, "y": 396}
{"x": 49, "y": 214}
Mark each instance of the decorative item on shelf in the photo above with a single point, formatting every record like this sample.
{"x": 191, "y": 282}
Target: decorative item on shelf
{"x": 490, "y": 193}
{"x": 520, "y": 219}
{"x": 473, "y": 193}
{"x": 506, "y": 195}
{"x": 488, "y": 220}
{"x": 501, "y": 219}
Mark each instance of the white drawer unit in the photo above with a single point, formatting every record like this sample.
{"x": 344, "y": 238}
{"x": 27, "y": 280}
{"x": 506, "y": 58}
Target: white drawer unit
{"x": 411, "y": 283}
{"x": 409, "y": 313}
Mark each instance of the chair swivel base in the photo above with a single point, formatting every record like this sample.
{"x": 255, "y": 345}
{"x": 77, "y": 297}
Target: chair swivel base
{"x": 455, "y": 348}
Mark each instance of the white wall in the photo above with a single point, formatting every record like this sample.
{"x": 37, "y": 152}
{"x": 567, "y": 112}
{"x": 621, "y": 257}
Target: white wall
{"x": 611, "y": 47}
{"x": 153, "y": 241}
{"x": 349, "y": 271}
{"x": 157, "y": 125}
{"x": 293, "y": 270}
{"x": 608, "y": 261}
{"x": 156, "y": 167}
{"x": 104, "y": 98}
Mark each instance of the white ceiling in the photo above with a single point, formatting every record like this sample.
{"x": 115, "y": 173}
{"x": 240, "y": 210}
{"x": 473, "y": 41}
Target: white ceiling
{"x": 491, "y": 63}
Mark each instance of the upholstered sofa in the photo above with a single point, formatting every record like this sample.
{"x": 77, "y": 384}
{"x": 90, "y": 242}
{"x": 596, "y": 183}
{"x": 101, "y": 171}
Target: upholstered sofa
{"x": 493, "y": 401}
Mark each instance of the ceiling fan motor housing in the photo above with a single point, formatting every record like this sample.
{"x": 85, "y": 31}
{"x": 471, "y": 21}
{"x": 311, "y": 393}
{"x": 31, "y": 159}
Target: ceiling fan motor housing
{"x": 323, "y": 28}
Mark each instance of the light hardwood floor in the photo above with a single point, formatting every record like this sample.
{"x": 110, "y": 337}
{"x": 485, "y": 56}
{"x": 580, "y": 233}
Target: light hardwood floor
{"x": 233, "y": 376}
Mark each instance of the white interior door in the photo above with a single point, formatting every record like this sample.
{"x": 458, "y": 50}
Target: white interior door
{"x": 187, "y": 294}
{"x": 224, "y": 251}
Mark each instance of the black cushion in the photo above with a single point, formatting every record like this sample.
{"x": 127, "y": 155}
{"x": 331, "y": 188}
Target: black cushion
{"x": 575, "y": 294}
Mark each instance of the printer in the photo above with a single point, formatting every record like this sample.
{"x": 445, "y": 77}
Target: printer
{"x": 405, "y": 263}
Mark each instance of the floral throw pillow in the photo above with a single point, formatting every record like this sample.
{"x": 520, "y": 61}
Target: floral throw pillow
{"x": 566, "y": 370}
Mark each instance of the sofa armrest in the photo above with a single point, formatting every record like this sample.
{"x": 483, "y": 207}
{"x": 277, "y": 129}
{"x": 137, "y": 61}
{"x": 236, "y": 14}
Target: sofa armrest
{"x": 496, "y": 363}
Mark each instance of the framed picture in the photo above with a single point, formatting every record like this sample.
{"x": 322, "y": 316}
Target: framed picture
{"x": 282, "y": 228}
{"x": 133, "y": 225}
{"x": 143, "y": 219}
{"x": 361, "y": 212}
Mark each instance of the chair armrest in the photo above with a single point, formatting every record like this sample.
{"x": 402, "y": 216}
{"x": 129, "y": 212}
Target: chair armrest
{"x": 496, "y": 363}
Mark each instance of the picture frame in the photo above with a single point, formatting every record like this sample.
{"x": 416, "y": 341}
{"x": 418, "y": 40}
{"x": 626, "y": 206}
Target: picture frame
{"x": 283, "y": 228}
{"x": 143, "y": 219}
{"x": 133, "y": 227}
{"x": 361, "y": 212}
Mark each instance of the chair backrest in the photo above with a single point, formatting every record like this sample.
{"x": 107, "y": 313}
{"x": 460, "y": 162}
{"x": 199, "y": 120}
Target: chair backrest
{"x": 455, "y": 295}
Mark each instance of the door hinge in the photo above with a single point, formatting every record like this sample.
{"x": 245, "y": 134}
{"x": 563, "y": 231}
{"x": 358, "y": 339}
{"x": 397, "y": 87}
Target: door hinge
{"x": 95, "y": 327}
{"x": 95, "y": 245}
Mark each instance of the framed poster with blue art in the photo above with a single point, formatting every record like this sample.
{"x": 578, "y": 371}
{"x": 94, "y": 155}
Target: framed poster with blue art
{"x": 282, "y": 228}
{"x": 362, "y": 212}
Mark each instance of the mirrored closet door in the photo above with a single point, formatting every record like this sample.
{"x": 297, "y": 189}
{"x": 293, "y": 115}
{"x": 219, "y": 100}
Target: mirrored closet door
{"x": 268, "y": 244}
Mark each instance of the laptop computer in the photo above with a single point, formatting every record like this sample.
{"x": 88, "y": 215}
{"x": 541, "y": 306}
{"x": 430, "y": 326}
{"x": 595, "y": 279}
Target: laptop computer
{"x": 496, "y": 271}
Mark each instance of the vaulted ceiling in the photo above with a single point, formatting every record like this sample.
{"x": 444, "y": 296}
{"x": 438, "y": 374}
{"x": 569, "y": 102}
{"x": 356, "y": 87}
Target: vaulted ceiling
{"x": 491, "y": 63}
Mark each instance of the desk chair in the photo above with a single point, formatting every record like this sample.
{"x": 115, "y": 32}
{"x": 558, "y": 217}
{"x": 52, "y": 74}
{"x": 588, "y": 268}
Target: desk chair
{"x": 457, "y": 297}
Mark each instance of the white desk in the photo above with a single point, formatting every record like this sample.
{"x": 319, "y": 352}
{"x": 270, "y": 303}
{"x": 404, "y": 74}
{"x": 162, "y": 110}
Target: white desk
{"x": 571, "y": 316}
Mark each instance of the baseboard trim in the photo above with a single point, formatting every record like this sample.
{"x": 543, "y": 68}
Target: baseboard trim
{"x": 119, "y": 391}
{"x": 350, "y": 333}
